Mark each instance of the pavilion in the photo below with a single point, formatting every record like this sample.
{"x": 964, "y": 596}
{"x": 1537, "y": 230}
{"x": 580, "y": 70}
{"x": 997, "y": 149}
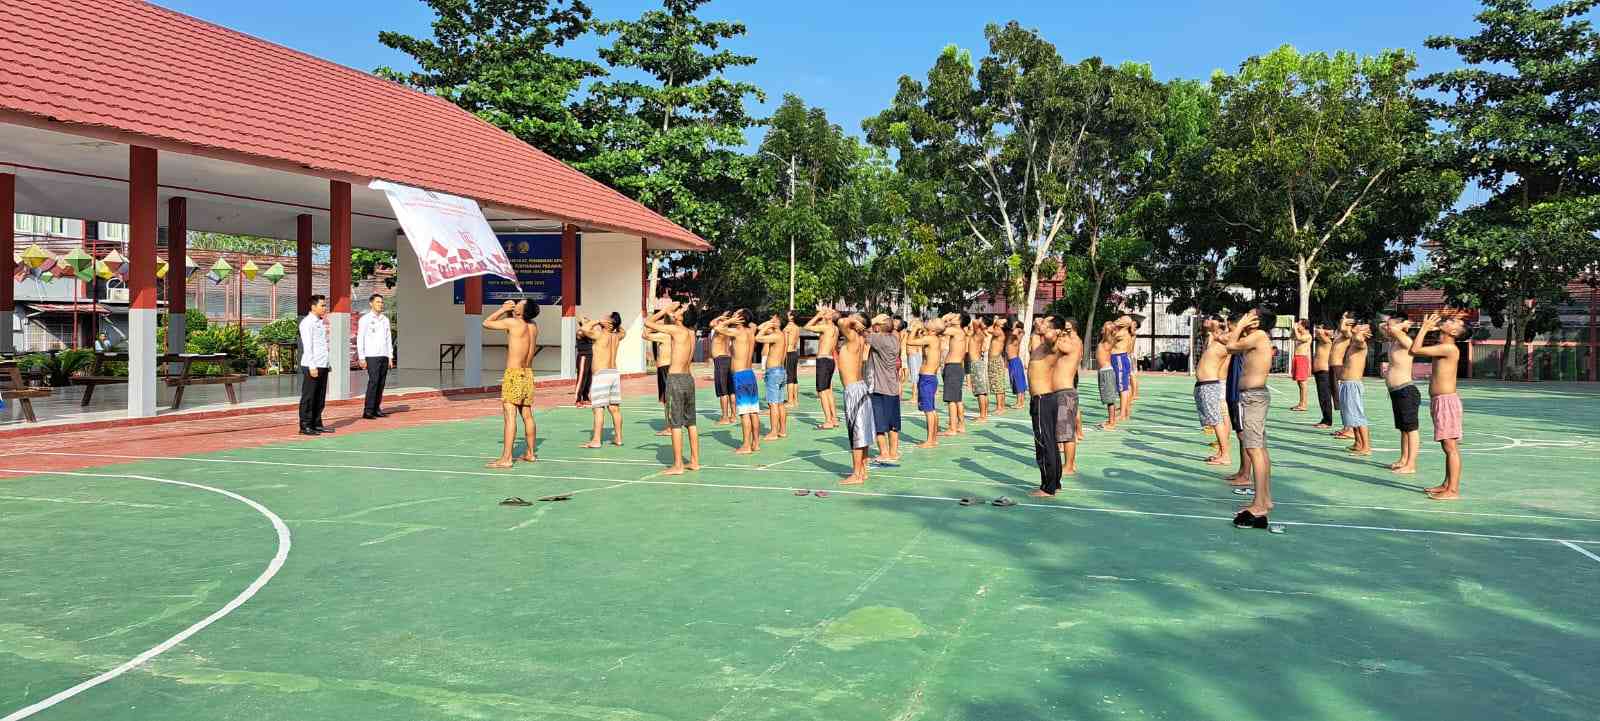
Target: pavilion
{"x": 123, "y": 111}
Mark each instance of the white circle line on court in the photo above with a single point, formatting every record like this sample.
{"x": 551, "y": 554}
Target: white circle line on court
{"x": 266, "y": 575}
{"x": 842, "y": 492}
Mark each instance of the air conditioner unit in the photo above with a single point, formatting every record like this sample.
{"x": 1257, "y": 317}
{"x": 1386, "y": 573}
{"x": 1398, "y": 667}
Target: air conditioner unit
{"x": 117, "y": 295}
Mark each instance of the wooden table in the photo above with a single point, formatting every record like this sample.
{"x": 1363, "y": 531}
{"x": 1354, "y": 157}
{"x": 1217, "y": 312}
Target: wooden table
{"x": 450, "y": 352}
{"x": 12, "y": 388}
{"x": 183, "y": 379}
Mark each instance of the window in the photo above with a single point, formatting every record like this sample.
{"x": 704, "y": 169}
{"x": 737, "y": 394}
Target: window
{"x": 44, "y": 225}
{"x": 46, "y": 332}
{"x": 113, "y": 231}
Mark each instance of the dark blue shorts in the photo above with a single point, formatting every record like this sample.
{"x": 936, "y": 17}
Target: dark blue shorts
{"x": 927, "y": 389}
{"x": 885, "y": 413}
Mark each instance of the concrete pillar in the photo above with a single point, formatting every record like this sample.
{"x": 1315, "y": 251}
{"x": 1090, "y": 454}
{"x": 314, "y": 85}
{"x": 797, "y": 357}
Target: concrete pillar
{"x": 142, "y": 230}
{"x": 472, "y": 331}
{"x": 569, "y": 301}
{"x": 177, "y": 282}
{"x": 339, "y": 289}
{"x": 8, "y": 246}
{"x": 302, "y": 265}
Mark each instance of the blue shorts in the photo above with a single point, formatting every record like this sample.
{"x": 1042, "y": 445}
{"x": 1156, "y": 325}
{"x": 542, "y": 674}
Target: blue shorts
{"x": 1019, "y": 378}
{"x": 885, "y": 413}
{"x": 776, "y": 380}
{"x": 1352, "y": 404}
{"x": 746, "y": 393}
{"x": 1123, "y": 365}
{"x": 927, "y": 388}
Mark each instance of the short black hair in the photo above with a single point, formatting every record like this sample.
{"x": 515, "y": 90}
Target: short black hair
{"x": 966, "y": 320}
{"x": 616, "y": 321}
{"x": 532, "y": 311}
{"x": 1269, "y": 319}
{"x": 745, "y": 314}
{"x": 315, "y": 299}
{"x": 374, "y": 296}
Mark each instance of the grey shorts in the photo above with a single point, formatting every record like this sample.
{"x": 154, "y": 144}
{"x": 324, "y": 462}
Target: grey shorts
{"x": 858, "y": 414}
{"x": 954, "y": 377}
{"x": 680, "y": 400}
{"x": 980, "y": 376}
{"x": 1208, "y": 401}
{"x": 1110, "y": 395}
{"x": 1067, "y": 416}
{"x": 1253, "y": 404}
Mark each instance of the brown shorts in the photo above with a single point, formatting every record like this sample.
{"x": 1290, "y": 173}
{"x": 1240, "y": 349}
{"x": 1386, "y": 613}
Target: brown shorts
{"x": 1253, "y": 404}
{"x": 1067, "y": 416}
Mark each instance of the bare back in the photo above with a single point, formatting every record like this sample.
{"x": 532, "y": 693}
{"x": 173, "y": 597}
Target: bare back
{"x": 605, "y": 349}
{"x": 719, "y": 345}
{"x": 1400, "y": 360}
{"x": 997, "y": 342}
{"x": 928, "y": 346}
{"x": 1324, "y": 350}
{"x": 1302, "y": 341}
{"x": 1064, "y": 372}
{"x": 681, "y": 337}
{"x": 791, "y": 336}
{"x": 851, "y": 355}
{"x": 957, "y": 350}
{"x": 744, "y": 344}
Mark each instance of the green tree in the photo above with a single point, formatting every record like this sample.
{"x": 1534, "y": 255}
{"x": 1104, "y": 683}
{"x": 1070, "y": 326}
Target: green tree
{"x": 251, "y": 244}
{"x": 1001, "y": 141}
{"x": 365, "y": 262}
{"x": 670, "y": 140}
{"x": 1310, "y": 147}
{"x": 495, "y": 59}
{"x": 1524, "y": 119}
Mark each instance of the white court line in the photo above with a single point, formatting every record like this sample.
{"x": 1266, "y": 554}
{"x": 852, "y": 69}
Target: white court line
{"x": 250, "y": 591}
{"x": 1580, "y": 549}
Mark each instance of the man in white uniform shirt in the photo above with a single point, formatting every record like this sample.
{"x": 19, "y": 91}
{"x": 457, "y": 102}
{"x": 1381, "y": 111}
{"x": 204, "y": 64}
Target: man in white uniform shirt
{"x": 314, "y": 368}
{"x": 375, "y": 353}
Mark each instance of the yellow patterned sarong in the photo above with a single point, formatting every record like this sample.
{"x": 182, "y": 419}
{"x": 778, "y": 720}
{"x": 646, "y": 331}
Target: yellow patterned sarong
{"x": 516, "y": 387}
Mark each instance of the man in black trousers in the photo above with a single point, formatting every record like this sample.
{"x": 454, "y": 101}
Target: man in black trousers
{"x": 375, "y": 353}
{"x": 314, "y": 368}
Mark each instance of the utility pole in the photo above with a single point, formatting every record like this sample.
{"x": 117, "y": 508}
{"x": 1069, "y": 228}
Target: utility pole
{"x": 789, "y": 202}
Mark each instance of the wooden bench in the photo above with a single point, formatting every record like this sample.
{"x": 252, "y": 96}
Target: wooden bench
{"x": 13, "y": 389}
{"x": 449, "y": 352}
{"x": 183, "y": 379}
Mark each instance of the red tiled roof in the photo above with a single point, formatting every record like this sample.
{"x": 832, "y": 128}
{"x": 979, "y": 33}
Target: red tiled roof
{"x": 136, "y": 68}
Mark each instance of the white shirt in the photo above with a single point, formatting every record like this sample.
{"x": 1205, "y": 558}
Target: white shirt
{"x": 373, "y": 339}
{"x": 313, "y": 342}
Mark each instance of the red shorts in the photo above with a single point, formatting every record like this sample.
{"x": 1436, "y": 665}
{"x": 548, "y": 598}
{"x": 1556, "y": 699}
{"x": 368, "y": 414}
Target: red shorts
{"x": 1301, "y": 368}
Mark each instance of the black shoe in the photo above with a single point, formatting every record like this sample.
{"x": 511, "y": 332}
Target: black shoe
{"x": 304, "y": 431}
{"x": 369, "y": 416}
{"x": 323, "y": 429}
{"x": 380, "y": 414}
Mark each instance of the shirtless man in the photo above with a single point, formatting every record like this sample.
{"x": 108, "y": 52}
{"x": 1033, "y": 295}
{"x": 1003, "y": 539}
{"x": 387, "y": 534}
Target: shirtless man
{"x": 741, "y": 334}
{"x": 925, "y": 344}
{"x": 978, "y": 360}
{"x": 606, "y": 391}
{"x": 791, "y": 358}
{"x": 774, "y": 340}
{"x": 1443, "y": 403}
{"x": 1352, "y": 404}
{"x": 1019, "y": 375}
{"x": 955, "y": 336}
{"x": 662, "y": 343}
{"x": 1106, "y": 376}
{"x": 1404, "y": 398}
{"x": 828, "y": 339}
{"x": 858, "y": 421}
{"x": 722, "y": 372}
{"x": 1122, "y": 362}
{"x": 1320, "y": 371}
{"x": 1341, "y": 344}
{"x": 1068, "y": 348}
{"x": 997, "y": 363}
{"x": 1043, "y": 406}
{"x": 1251, "y": 341}
{"x": 1208, "y": 390}
{"x": 668, "y": 321}
{"x": 516, "y": 384}
{"x": 1300, "y": 363}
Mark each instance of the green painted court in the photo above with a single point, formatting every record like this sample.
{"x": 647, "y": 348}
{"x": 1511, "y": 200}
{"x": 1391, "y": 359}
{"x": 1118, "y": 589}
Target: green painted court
{"x": 405, "y": 592}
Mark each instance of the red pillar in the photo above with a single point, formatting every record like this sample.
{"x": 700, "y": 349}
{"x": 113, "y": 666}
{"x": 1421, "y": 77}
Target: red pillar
{"x": 474, "y": 295}
{"x": 177, "y": 251}
{"x": 142, "y": 231}
{"x": 339, "y": 247}
{"x": 302, "y": 265}
{"x": 8, "y": 245}
{"x": 569, "y": 271}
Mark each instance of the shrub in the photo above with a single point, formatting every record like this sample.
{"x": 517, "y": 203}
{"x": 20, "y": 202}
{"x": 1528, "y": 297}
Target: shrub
{"x": 241, "y": 346}
{"x": 59, "y": 367}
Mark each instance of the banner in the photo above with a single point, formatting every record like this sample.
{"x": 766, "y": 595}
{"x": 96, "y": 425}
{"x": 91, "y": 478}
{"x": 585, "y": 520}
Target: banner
{"x": 450, "y": 236}
{"x": 537, "y": 260}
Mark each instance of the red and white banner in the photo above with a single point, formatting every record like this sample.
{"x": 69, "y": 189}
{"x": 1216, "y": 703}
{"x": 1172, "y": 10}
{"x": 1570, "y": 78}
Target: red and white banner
{"x": 449, "y": 234}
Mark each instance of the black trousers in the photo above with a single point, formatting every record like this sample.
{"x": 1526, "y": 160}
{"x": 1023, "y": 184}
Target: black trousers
{"x": 1046, "y": 450}
{"x": 585, "y": 376}
{"x": 377, "y": 376}
{"x": 1324, "y": 396}
{"x": 313, "y": 396}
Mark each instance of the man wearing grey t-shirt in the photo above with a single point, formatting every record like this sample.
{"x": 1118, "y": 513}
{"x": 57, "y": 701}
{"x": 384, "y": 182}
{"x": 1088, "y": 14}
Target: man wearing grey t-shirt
{"x": 883, "y": 378}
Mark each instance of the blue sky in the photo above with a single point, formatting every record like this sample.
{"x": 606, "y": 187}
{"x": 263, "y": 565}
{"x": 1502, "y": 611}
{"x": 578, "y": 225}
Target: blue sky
{"x": 847, "y": 56}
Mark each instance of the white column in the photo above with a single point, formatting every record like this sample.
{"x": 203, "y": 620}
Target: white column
{"x": 142, "y": 386}
{"x": 177, "y": 333}
{"x": 338, "y": 356}
{"x": 569, "y": 347}
{"x": 472, "y": 335}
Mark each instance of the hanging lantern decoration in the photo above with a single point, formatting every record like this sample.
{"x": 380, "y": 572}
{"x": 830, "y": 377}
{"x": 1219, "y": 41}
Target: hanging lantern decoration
{"x": 34, "y": 256}
{"x": 161, "y": 268}
{"x": 189, "y": 267}
{"x": 46, "y": 277}
{"x": 274, "y": 274}
{"x": 249, "y": 270}
{"x": 220, "y": 271}
{"x": 103, "y": 271}
{"x": 80, "y": 264}
{"x": 117, "y": 264}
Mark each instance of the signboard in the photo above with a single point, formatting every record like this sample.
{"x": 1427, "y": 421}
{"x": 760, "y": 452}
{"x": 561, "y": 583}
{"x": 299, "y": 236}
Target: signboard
{"x": 536, "y": 257}
{"x": 449, "y": 234}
